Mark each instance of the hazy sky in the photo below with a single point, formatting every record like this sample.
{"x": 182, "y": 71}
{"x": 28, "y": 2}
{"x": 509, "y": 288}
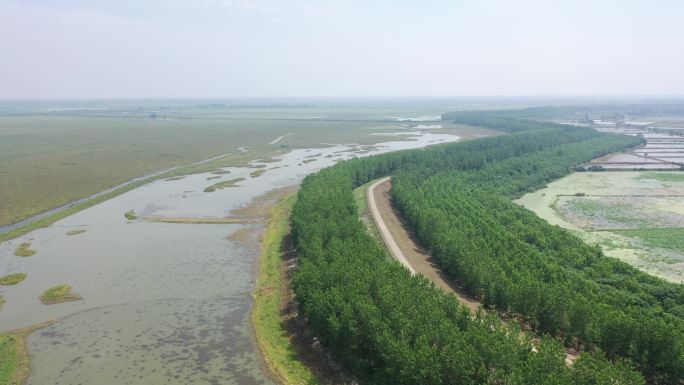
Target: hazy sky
{"x": 365, "y": 48}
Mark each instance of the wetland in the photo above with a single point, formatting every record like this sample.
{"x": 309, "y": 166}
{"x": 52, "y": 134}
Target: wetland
{"x": 162, "y": 294}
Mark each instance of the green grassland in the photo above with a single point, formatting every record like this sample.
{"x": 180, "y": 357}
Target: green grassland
{"x": 663, "y": 176}
{"x": 14, "y": 356}
{"x": 272, "y": 337}
{"x": 666, "y": 238}
{"x": 9, "y": 358}
{"x": 50, "y": 159}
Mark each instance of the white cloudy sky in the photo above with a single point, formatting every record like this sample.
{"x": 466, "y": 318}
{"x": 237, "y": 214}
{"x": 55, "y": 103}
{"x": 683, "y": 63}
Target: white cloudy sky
{"x": 364, "y": 48}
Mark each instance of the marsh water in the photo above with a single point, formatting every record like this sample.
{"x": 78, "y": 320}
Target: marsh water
{"x": 163, "y": 303}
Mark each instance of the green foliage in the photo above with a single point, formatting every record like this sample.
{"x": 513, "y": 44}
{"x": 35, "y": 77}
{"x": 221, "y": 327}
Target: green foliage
{"x": 667, "y": 238}
{"x": 596, "y": 369}
{"x": 8, "y": 358}
{"x": 130, "y": 215}
{"x": 272, "y": 337}
{"x": 663, "y": 176}
{"x": 389, "y": 327}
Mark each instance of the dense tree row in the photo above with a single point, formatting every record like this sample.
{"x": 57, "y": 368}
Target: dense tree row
{"x": 389, "y": 327}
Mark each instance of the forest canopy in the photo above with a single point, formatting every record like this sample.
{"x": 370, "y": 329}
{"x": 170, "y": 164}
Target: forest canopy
{"x": 389, "y": 327}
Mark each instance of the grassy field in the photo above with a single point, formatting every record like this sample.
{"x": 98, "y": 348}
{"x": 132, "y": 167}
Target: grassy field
{"x": 274, "y": 343}
{"x": 9, "y": 358}
{"x": 663, "y": 176}
{"x": 666, "y": 238}
{"x": 637, "y": 217}
{"x": 48, "y": 158}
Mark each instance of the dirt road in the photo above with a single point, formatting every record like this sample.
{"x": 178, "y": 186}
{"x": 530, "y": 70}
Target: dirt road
{"x": 403, "y": 247}
{"x": 401, "y": 244}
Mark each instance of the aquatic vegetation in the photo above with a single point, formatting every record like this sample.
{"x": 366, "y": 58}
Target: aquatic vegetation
{"x": 204, "y": 221}
{"x": 130, "y": 215}
{"x": 257, "y": 173}
{"x": 224, "y": 184}
{"x": 59, "y": 294}
{"x": 174, "y": 178}
{"x": 24, "y": 250}
{"x": 12, "y": 279}
{"x": 76, "y": 232}
{"x": 666, "y": 238}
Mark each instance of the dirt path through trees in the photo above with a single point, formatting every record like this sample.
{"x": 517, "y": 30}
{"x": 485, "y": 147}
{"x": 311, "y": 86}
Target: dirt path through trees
{"x": 402, "y": 246}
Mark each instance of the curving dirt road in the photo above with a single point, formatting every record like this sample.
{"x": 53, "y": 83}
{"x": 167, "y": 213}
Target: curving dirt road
{"x": 402, "y": 246}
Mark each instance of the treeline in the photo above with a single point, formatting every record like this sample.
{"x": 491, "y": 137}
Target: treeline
{"x": 391, "y": 328}
{"x": 575, "y": 111}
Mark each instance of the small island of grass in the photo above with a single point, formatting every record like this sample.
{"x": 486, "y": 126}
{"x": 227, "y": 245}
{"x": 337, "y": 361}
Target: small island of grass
{"x": 59, "y": 294}
{"x": 130, "y": 215}
{"x": 12, "y": 279}
{"x": 257, "y": 173}
{"x": 24, "y": 250}
{"x": 224, "y": 184}
{"x": 76, "y": 232}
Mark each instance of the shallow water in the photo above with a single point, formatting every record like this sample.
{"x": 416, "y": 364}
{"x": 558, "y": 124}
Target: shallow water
{"x": 162, "y": 303}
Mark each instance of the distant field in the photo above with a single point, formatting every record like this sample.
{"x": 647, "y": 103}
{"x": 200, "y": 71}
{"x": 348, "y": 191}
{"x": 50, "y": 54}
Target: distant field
{"x": 50, "y": 158}
{"x": 635, "y": 216}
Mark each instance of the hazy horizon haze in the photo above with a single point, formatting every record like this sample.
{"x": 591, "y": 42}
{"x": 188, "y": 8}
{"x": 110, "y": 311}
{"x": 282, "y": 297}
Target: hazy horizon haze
{"x": 77, "y": 49}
